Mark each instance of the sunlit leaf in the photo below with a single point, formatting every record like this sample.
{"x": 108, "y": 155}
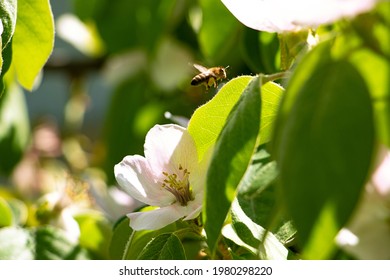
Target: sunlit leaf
{"x": 231, "y": 158}
{"x": 95, "y": 233}
{"x": 207, "y": 121}
{"x": 33, "y": 39}
{"x": 6, "y": 218}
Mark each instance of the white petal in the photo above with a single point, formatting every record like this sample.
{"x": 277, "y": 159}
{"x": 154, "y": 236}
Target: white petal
{"x": 69, "y": 224}
{"x": 167, "y": 147}
{"x": 286, "y": 15}
{"x": 135, "y": 177}
{"x": 199, "y": 173}
{"x": 155, "y": 219}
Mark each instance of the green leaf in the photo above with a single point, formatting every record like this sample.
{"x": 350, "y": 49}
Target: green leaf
{"x": 16, "y": 244}
{"x": 163, "y": 247}
{"x": 376, "y": 71}
{"x": 128, "y": 244}
{"x": 8, "y": 19}
{"x": 231, "y": 158}
{"x": 324, "y": 143}
{"x": 208, "y": 120}
{"x": 271, "y": 95}
{"x": 250, "y": 235}
{"x": 33, "y": 39}
{"x": 52, "y": 244}
{"x": 257, "y": 194}
{"x": 95, "y": 233}
{"x": 120, "y": 237}
{"x": 6, "y": 217}
{"x": 14, "y": 128}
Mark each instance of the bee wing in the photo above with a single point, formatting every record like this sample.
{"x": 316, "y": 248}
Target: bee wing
{"x": 200, "y": 68}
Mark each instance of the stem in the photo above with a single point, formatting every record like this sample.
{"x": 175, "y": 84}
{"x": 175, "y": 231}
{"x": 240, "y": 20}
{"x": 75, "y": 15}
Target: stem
{"x": 273, "y": 77}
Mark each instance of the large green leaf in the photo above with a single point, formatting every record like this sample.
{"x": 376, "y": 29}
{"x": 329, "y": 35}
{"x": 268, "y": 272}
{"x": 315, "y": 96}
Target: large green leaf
{"x": 208, "y": 120}
{"x": 33, "y": 39}
{"x": 231, "y": 158}
{"x": 324, "y": 143}
{"x": 166, "y": 246}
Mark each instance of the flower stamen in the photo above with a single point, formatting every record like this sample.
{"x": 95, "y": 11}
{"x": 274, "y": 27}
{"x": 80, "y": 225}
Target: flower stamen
{"x": 180, "y": 188}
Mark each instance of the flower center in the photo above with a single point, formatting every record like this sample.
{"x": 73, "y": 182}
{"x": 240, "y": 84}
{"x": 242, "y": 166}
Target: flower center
{"x": 179, "y": 187}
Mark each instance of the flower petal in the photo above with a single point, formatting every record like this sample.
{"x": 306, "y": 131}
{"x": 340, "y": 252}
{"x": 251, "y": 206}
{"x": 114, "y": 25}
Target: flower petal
{"x": 167, "y": 147}
{"x": 286, "y": 15}
{"x": 198, "y": 173}
{"x": 135, "y": 177}
{"x": 155, "y": 219}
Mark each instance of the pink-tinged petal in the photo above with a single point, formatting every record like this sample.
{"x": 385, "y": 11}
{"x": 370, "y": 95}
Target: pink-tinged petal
{"x": 155, "y": 219}
{"x": 167, "y": 147}
{"x": 286, "y": 15}
{"x": 135, "y": 177}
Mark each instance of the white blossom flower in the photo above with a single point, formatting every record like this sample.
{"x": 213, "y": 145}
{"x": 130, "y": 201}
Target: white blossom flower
{"x": 169, "y": 177}
{"x": 59, "y": 207}
{"x": 286, "y": 15}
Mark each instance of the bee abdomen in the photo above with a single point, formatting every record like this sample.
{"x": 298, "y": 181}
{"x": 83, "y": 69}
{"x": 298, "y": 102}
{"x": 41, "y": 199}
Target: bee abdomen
{"x": 198, "y": 79}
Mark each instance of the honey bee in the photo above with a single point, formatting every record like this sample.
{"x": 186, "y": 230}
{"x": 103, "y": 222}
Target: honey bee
{"x": 208, "y": 76}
